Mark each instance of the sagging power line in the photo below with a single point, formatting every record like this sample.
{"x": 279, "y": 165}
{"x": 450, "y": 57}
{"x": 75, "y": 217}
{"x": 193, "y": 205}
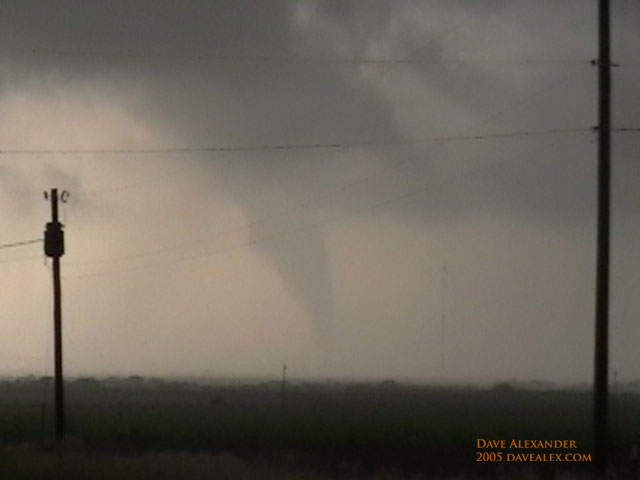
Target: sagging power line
{"x": 21, "y": 244}
{"x": 280, "y": 147}
{"x": 285, "y": 59}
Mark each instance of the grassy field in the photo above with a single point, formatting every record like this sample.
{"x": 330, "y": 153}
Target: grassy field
{"x": 355, "y": 430}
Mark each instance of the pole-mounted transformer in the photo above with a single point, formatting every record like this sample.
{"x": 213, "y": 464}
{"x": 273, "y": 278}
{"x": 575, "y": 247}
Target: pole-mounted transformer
{"x": 54, "y": 239}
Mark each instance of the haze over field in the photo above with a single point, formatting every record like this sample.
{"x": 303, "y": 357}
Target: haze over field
{"x": 195, "y": 247}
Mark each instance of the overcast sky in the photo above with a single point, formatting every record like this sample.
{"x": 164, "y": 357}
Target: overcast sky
{"x": 365, "y": 247}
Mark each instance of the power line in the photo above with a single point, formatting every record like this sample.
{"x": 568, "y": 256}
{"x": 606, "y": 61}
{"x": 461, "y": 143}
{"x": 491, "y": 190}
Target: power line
{"x": 204, "y": 149}
{"x": 291, "y": 59}
{"x": 20, "y": 244}
{"x": 283, "y": 147}
{"x": 626, "y": 129}
{"x": 442, "y": 139}
{"x": 523, "y": 133}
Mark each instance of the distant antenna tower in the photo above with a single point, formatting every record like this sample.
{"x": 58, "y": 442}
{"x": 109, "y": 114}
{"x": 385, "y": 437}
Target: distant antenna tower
{"x": 443, "y": 319}
{"x": 614, "y": 408}
{"x": 283, "y": 390}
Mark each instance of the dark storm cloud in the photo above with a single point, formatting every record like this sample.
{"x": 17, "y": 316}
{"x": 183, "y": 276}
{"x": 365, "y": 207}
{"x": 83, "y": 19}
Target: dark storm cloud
{"x": 251, "y": 72}
{"x": 149, "y": 45}
{"x": 164, "y": 27}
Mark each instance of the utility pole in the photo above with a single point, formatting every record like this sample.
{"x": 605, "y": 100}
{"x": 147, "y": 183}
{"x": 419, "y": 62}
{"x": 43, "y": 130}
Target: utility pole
{"x": 443, "y": 319}
{"x": 601, "y": 371}
{"x": 54, "y": 248}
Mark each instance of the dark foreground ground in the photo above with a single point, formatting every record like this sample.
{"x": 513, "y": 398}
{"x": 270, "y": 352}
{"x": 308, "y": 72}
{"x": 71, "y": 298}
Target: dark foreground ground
{"x": 136, "y": 428}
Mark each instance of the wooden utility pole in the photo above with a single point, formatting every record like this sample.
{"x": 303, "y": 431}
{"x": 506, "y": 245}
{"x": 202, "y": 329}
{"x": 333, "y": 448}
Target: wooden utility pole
{"x": 54, "y": 248}
{"x": 601, "y": 393}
